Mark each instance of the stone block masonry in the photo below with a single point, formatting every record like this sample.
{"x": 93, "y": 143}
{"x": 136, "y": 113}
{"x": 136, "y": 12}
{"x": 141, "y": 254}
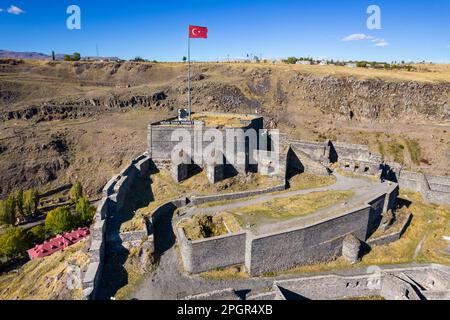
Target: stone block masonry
{"x": 313, "y": 242}
{"x": 211, "y": 253}
{"x": 435, "y": 189}
{"x": 392, "y": 283}
{"x": 310, "y": 244}
{"x": 114, "y": 195}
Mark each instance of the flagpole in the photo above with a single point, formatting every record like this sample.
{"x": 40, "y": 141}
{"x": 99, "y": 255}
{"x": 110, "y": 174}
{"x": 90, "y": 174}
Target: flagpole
{"x": 189, "y": 77}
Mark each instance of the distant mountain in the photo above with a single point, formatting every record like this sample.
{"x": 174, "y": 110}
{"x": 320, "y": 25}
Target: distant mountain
{"x": 45, "y": 57}
{"x": 24, "y": 55}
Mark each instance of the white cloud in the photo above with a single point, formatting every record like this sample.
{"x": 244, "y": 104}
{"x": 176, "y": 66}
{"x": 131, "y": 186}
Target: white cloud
{"x": 357, "y": 37}
{"x": 15, "y": 10}
{"x": 382, "y": 44}
{"x": 363, "y": 37}
{"x": 1, "y": 10}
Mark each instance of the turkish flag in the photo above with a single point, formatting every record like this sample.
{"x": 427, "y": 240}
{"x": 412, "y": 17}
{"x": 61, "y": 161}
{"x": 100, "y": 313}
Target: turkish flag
{"x": 198, "y": 32}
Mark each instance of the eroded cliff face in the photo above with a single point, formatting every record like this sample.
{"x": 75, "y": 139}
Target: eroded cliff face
{"x": 62, "y": 121}
{"x": 55, "y": 90}
{"x": 374, "y": 99}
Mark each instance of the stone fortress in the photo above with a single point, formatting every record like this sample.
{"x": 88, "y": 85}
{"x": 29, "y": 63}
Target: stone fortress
{"x": 319, "y": 237}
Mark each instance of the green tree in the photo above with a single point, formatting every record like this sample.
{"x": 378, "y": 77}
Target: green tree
{"x": 67, "y": 57}
{"x": 13, "y": 243}
{"x": 19, "y": 205}
{"x": 76, "y": 57}
{"x": 37, "y": 234}
{"x": 53, "y": 56}
{"x": 59, "y": 220}
{"x": 76, "y": 192}
{"x": 291, "y": 60}
{"x": 30, "y": 203}
{"x": 184, "y": 59}
{"x": 85, "y": 212}
{"x": 7, "y": 211}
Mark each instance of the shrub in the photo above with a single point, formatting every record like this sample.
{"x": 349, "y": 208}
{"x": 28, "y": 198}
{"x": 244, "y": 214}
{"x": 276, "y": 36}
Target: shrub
{"x": 76, "y": 192}
{"x": 85, "y": 212}
{"x": 59, "y": 220}
{"x": 7, "y": 211}
{"x": 291, "y": 60}
{"x": 13, "y": 243}
{"x": 37, "y": 234}
{"x": 30, "y": 202}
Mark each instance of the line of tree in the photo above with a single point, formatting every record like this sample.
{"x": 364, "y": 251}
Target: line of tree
{"x": 294, "y": 60}
{"x": 75, "y": 57}
{"x": 384, "y": 65}
{"x": 15, "y": 241}
{"x": 19, "y": 207}
{"x": 66, "y": 218}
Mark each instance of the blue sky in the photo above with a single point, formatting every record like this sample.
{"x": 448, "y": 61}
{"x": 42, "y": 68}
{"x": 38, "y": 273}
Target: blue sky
{"x": 411, "y": 29}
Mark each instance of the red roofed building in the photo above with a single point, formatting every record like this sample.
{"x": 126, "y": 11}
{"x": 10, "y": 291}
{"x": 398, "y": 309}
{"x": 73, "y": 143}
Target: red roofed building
{"x": 58, "y": 243}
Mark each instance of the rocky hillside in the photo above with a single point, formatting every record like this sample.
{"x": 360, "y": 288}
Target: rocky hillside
{"x": 59, "y": 119}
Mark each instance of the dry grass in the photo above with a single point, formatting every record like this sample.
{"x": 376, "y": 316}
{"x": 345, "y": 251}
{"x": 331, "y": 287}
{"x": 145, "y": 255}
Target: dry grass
{"x": 356, "y": 175}
{"x": 424, "y": 73}
{"x": 135, "y": 272}
{"x": 310, "y": 181}
{"x": 221, "y": 120}
{"x": 288, "y": 208}
{"x": 235, "y": 272}
{"x": 202, "y": 227}
{"x": 164, "y": 188}
{"x": 429, "y": 221}
{"x": 45, "y": 278}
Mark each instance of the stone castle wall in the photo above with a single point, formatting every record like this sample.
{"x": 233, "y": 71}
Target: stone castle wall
{"x": 114, "y": 194}
{"x": 313, "y": 243}
{"x": 435, "y": 189}
{"x": 211, "y": 253}
{"x": 160, "y": 144}
{"x": 391, "y": 283}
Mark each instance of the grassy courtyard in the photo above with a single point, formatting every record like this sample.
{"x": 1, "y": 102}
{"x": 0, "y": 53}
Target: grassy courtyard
{"x": 287, "y": 208}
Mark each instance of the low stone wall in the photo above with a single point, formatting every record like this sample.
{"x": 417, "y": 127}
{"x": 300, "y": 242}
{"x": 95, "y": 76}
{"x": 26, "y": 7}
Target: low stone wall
{"x": 317, "y": 151}
{"x": 310, "y": 244}
{"x": 196, "y": 200}
{"x": 114, "y": 194}
{"x": 212, "y": 253}
{"x": 391, "y": 283}
{"x": 393, "y": 236}
{"x": 300, "y": 161}
{"x": 435, "y": 189}
{"x": 316, "y": 242}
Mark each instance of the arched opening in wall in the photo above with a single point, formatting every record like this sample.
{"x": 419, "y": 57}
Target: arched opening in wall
{"x": 356, "y": 167}
{"x": 347, "y": 165}
{"x": 366, "y": 169}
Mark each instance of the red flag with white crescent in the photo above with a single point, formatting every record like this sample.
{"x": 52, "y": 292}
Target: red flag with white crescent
{"x": 197, "y": 32}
